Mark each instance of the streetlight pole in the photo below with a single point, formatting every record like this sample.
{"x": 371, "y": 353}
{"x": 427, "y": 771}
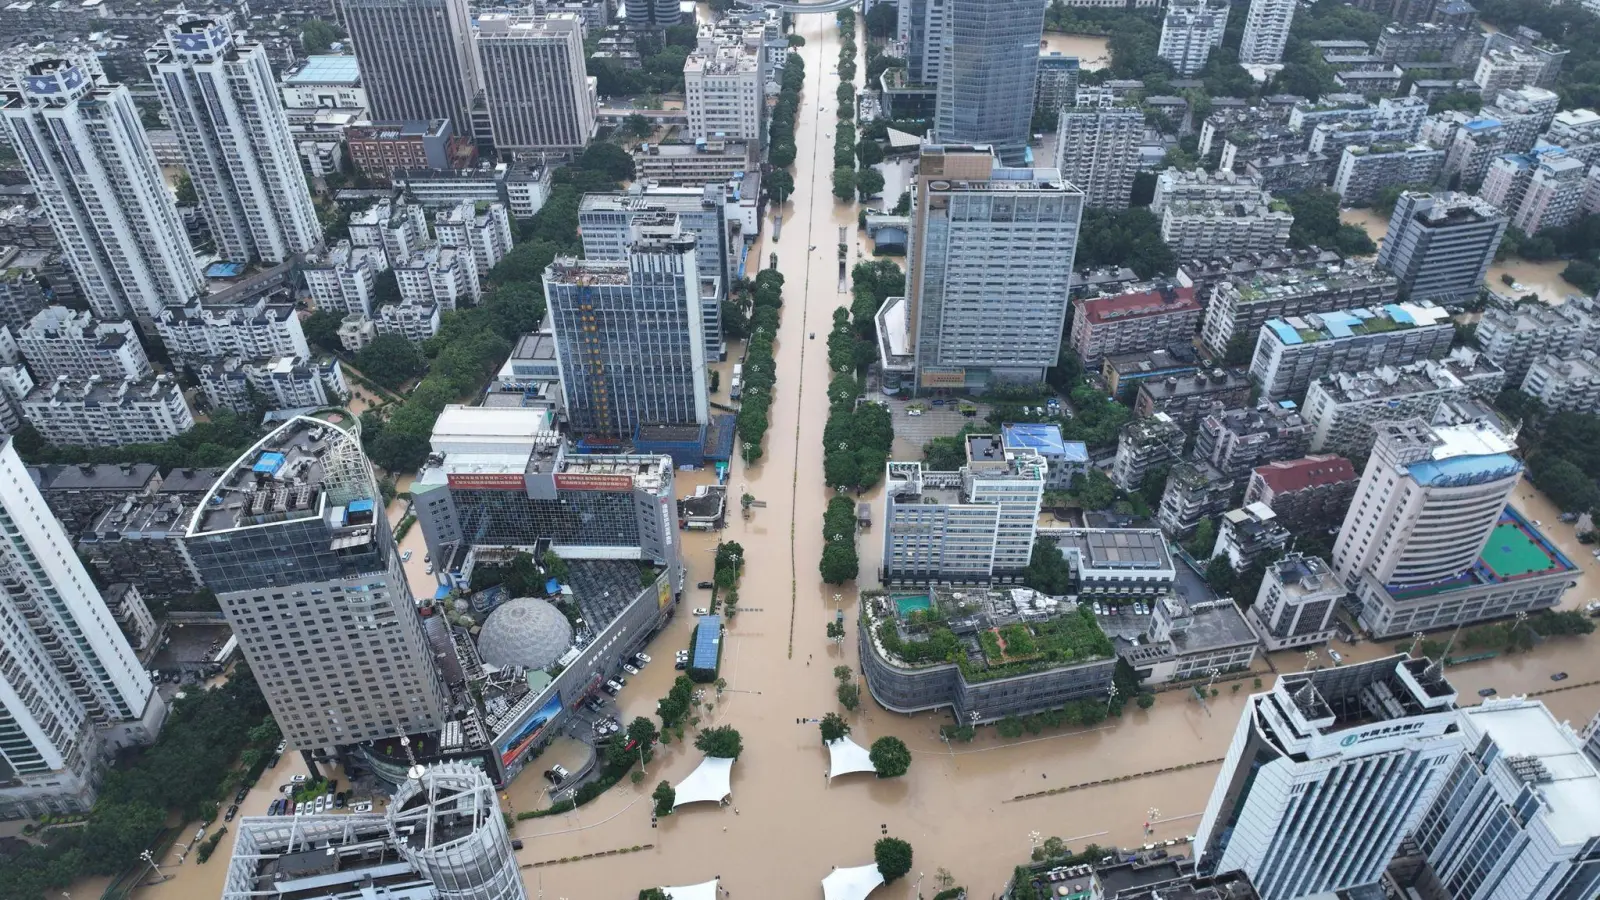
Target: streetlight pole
{"x": 919, "y": 886}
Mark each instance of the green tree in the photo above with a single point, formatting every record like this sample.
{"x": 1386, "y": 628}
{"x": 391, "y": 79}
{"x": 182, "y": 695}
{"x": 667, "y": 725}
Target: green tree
{"x": 1200, "y": 543}
{"x": 664, "y": 796}
{"x": 849, "y": 695}
{"x": 722, "y": 742}
{"x": 185, "y": 191}
{"x": 869, "y": 183}
{"x": 390, "y": 360}
{"x": 833, "y": 727}
{"x": 609, "y": 160}
{"x": 636, "y": 125}
{"x": 839, "y": 562}
{"x": 322, "y": 329}
{"x": 1047, "y": 570}
{"x": 893, "y": 857}
{"x": 844, "y": 183}
{"x": 643, "y": 732}
{"x": 890, "y": 757}
{"x": 780, "y": 185}
{"x": 1146, "y": 700}
{"x": 1009, "y": 727}
{"x": 318, "y": 36}
{"x": 1565, "y": 484}
{"x": 1219, "y": 574}
{"x": 554, "y": 566}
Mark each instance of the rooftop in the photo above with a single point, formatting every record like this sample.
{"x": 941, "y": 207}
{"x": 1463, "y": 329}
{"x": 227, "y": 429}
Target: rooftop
{"x": 1545, "y": 753}
{"x": 1421, "y": 377}
{"x": 326, "y": 69}
{"x": 1129, "y": 549}
{"x": 1363, "y": 693}
{"x": 1358, "y": 322}
{"x": 1165, "y": 300}
{"x": 309, "y": 467}
{"x": 1045, "y": 438}
{"x": 103, "y": 477}
{"x": 1193, "y": 383}
{"x": 1307, "y": 472}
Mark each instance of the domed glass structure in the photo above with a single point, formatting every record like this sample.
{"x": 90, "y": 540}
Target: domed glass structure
{"x": 524, "y": 632}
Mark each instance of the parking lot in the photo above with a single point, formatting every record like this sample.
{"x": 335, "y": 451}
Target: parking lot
{"x": 936, "y": 421}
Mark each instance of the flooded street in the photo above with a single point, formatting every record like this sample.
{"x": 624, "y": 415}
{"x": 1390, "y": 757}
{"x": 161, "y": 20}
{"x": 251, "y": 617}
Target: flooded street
{"x": 1091, "y": 51}
{"x": 956, "y": 806}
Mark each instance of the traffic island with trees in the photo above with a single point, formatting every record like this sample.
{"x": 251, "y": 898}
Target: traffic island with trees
{"x": 760, "y": 369}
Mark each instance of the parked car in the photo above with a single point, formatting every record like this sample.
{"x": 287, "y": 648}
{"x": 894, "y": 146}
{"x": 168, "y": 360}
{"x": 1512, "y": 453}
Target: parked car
{"x": 233, "y": 810}
{"x": 640, "y": 658}
{"x": 628, "y": 667}
{"x": 705, "y": 585}
{"x": 1559, "y": 676}
{"x": 516, "y": 843}
{"x": 612, "y": 688}
{"x": 239, "y": 796}
{"x": 913, "y": 411}
{"x": 681, "y": 663}
{"x": 428, "y": 569}
{"x": 282, "y": 746}
{"x": 298, "y": 779}
{"x": 1335, "y": 655}
{"x": 1487, "y": 692}
{"x": 405, "y": 557}
{"x": 700, "y": 611}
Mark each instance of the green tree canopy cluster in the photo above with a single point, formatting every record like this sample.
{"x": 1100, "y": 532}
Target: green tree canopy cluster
{"x": 871, "y": 283}
{"x": 833, "y": 727}
{"x": 856, "y": 439}
{"x": 1316, "y": 223}
{"x": 318, "y": 36}
{"x": 893, "y": 857}
{"x": 661, "y": 57}
{"x": 722, "y": 742}
{"x": 391, "y": 360}
{"x": 1562, "y": 453}
{"x": 890, "y": 757}
{"x": 760, "y": 370}
{"x": 675, "y": 706}
{"x": 839, "y": 562}
{"x": 1128, "y": 237}
{"x": 780, "y": 128}
{"x": 1047, "y": 571}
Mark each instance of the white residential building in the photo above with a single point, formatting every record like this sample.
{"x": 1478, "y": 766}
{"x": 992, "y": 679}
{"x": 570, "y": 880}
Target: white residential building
{"x": 1208, "y": 229}
{"x": 486, "y": 232}
{"x": 1250, "y": 534}
{"x": 1571, "y": 384}
{"x": 1342, "y": 407}
{"x": 60, "y": 341}
{"x": 1515, "y": 337}
{"x": 345, "y": 278}
{"x": 72, "y": 686}
{"x": 1295, "y": 605}
{"x": 281, "y": 383}
{"x": 356, "y": 331}
{"x": 252, "y": 330}
{"x": 724, "y": 92}
{"x": 223, "y": 102}
{"x": 1266, "y": 31}
{"x": 1517, "y": 817}
{"x": 1189, "y": 31}
{"x": 396, "y": 227}
{"x": 1327, "y": 772}
{"x": 540, "y": 99}
{"x": 445, "y": 276}
{"x": 98, "y": 412}
{"x": 976, "y": 524}
{"x": 414, "y": 321}
{"x": 1098, "y": 153}
{"x": 1554, "y": 195}
{"x": 95, "y": 172}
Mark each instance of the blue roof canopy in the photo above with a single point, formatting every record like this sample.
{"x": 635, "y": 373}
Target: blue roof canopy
{"x": 707, "y": 634}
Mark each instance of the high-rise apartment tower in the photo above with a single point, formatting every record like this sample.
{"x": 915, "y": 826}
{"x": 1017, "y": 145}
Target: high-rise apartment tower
{"x": 416, "y": 58}
{"x": 534, "y": 81}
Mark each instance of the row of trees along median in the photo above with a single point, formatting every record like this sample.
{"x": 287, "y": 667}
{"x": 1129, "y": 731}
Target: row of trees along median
{"x": 844, "y": 138}
{"x": 760, "y": 371}
{"x": 780, "y": 132}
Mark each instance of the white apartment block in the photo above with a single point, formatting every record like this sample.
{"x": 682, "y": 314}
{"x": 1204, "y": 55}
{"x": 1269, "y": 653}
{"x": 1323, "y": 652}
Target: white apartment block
{"x": 485, "y": 231}
{"x": 15, "y": 383}
{"x": 527, "y": 187}
{"x": 1515, "y": 337}
{"x": 1328, "y": 771}
{"x": 724, "y": 91}
{"x": 1266, "y": 31}
{"x": 345, "y": 278}
{"x": 257, "y": 329}
{"x": 444, "y": 276}
{"x": 60, "y": 341}
{"x": 1098, "y": 153}
{"x": 1516, "y": 818}
{"x": 1342, "y": 407}
{"x": 974, "y": 525}
{"x": 281, "y": 383}
{"x": 222, "y": 99}
{"x": 1506, "y": 67}
{"x": 539, "y": 96}
{"x": 1570, "y": 384}
{"x": 1293, "y": 352}
{"x": 396, "y": 227}
{"x": 415, "y": 321}
{"x": 1296, "y": 603}
{"x": 1207, "y": 229}
{"x": 1554, "y": 195}
{"x": 94, "y": 171}
{"x": 98, "y": 412}
{"x": 1189, "y": 31}
{"x": 356, "y": 331}
{"x": 73, "y": 686}
{"x": 1364, "y": 172}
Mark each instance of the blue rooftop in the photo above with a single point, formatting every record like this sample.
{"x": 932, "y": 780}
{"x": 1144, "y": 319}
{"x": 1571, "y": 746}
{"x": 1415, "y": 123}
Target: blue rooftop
{"x": 1482, "y": 124}
{"x": 1040, "y": 436}
{"x": 269, "y": 463}
{"x": 327, "y": 70}
{"x": 1463, "y": 470}
{"x": 360, "y": 505}
{"x": 1285, "y": 331}
{"x": 707, "y": 635}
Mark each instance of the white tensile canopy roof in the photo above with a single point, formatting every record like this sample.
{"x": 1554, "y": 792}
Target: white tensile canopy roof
{"x": 851, "y": 884}
{"x": 846, "y": 756}
{"x": 706, "y": 891}
{"x": 711, "y": 780}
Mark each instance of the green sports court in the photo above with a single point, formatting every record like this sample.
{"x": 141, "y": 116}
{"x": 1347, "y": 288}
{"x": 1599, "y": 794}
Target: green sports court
{"x": 1512, "y": 553}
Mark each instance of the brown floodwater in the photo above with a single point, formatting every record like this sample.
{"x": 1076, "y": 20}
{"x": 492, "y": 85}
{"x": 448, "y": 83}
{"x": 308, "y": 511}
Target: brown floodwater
{"x": 955, "y": 806}
{"x": 1092, "y": 51}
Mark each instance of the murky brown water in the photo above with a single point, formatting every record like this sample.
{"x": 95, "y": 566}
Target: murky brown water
{"x": 1091, "y": 51}
{"x": 954, "y": 806}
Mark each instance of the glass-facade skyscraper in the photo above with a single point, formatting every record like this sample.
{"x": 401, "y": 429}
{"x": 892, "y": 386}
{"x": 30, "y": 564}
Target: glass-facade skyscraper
{"x": 988, "y": 66}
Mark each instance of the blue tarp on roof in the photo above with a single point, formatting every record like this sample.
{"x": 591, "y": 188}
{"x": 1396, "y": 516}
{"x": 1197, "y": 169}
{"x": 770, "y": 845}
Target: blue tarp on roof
{"x": 707, "y": 634}
{"x": 552, "y": 587}
{"x": 360, "y": 506}
{"x": 269, "y": 463}
{"x": 1398, "y": 314}
{"x": 1339, "y": 323}
{"x": 1040, "y": 436}
{"x": 1285, "y": 331}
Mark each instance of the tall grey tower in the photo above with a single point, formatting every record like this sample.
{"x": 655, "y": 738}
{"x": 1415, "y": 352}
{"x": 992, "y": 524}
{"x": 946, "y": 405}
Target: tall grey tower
{"x": 987, "y": 71}
{"x": 224, "y": 105}
{"x": 97, "y": 177}
{"x": 416, "y": 58}
{"x": 657, "y": 14}
{"x": 294, "y": 541}
{"x": 70, "y": 678}
{"x": 534, "y": 81}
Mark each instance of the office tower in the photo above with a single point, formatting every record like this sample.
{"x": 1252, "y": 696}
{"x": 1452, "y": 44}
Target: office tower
{"x": 416, "y": 58}
{"x": 71, "y": 684}
{"x": 605, "y": 222}
{"x": 60, "y": 341}
{"x": 534, "y": 82}
{"x": 1266, "y": 31}
{"x": 1327, "y": 772}
{"x": 223, "y": 102}
{"x": 1440, "y": 246}
{"x": 925, "y": 39}
{"x": 988, "y": 73}
{"x": 990, "y": 262}
{"x": 724, "y": 87}
{"x": 1430, "y": 541}
{"x": 293, "y": 540}
{"x": 1292, "y": 353}
{"x": 443, "y": 835}
{"x": 1296, "y": 602}
{"x": 1517, "y": 818}
{"x": 629, "y": 338}
{"x": 1098, "y": 151}
{"x": 92, "y": 166}
{"x": 1189, "y": 31}
{"x": 976, "y": 524}
{"x": 652, "y": 14}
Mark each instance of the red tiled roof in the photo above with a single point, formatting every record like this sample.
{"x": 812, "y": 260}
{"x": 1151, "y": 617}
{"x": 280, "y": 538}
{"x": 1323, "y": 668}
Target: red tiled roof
{"x": 1100, "y": 310}
{"x": 1307, "y": 472}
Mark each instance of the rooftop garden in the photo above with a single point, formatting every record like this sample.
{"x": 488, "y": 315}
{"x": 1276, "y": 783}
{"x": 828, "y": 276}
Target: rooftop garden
{"x": 924, "y": 638}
